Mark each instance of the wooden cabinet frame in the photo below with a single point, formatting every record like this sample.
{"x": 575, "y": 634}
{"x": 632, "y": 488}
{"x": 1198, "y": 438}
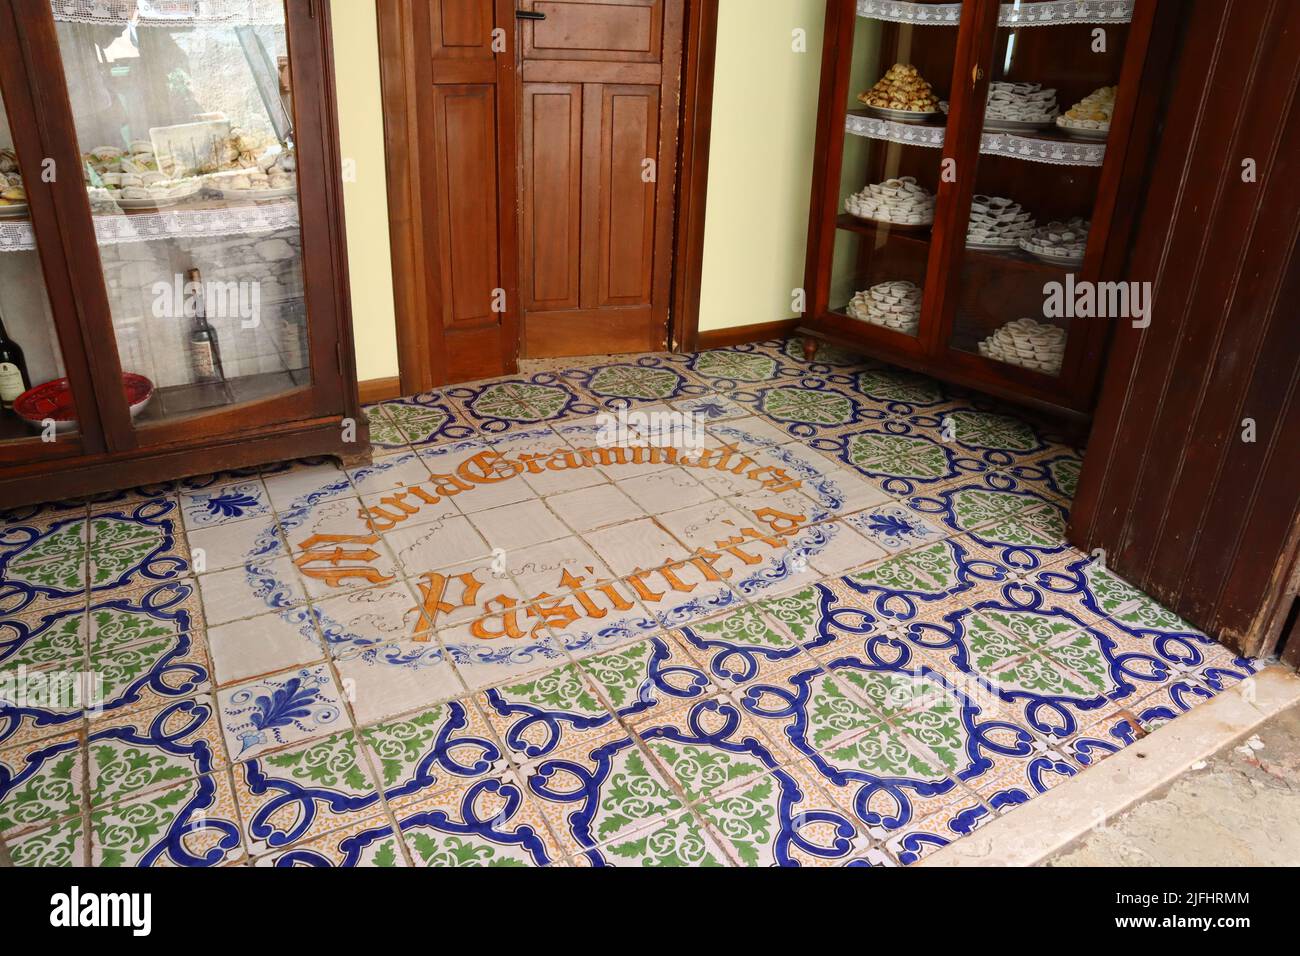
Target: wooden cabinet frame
{"x": 1122, "y": 180}
{"x": 109, "y": 451}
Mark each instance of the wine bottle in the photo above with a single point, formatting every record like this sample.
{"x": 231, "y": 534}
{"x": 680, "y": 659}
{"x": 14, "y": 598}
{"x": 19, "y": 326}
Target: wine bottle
{"x": 205, "y": 348}
{"x": 13, "y": 369}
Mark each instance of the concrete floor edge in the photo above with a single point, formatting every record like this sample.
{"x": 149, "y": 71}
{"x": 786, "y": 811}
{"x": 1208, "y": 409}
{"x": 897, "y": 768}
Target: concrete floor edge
{"x": 1067, "y": 812}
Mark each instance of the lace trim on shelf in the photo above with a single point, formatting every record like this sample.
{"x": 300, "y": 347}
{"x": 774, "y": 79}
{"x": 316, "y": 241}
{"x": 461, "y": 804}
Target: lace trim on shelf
{"x": 170, "y": 12}
{"x": 1049, "y": 12}
{"x": 170, "y": 224}
{"x": 1034, "y": 14}
{"x": 909, "y": 134}
{"x": 1032, "y": 149}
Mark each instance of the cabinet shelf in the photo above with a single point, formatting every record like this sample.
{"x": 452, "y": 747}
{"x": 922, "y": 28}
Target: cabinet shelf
{"x": 168, "y": 13}
{"x": 1036, "y": 14}
{"x": 1047, "y": 147}
{"x": 968, "y": 295}
{"x": 193, "y": 221}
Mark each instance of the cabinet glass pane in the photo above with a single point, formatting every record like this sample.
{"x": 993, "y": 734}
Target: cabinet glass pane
{"x": 898, "y": 91}
{"x": 184, "y": 121}
{"x": 29, "y": 346}
{"x": 1045, "y": 127}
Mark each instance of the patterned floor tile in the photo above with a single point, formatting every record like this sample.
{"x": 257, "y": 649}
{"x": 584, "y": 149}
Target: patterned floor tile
{"x": 303, "y": 792}
{"x": 40, "y": 784}
{"x": 488, "y": 822}
{"x": 425, "y": 753}
{"x": 280, "y": 710}
{"x": 368, "y": 843}
{"x": 146, "y": 750}
{"x": 194, "y": 823}
{"x": 734, "y": 607}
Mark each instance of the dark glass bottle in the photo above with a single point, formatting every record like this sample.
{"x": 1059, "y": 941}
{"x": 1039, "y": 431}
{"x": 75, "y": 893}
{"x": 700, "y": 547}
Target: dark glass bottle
{"x": 13, "y": 369}
{"x": 205, "y": 349}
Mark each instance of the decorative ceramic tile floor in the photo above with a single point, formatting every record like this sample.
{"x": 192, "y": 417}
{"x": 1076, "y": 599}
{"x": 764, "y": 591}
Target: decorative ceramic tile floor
{"x": 836, "y": 623}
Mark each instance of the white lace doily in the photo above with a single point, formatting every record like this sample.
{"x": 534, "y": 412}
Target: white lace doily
{"x": 1009, "y": 15}
{"x": 1032, "y": 149}
{"x": 170, "y": 12}
{"x": 170, "y": 224}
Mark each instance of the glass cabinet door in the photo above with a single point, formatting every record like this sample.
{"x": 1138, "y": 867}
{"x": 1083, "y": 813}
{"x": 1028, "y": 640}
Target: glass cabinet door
{"x": 902, "y": 64}
{"x": 1027, "y": 248}
{"x": 37, "y": 412}
{"x": 185, "y": 124}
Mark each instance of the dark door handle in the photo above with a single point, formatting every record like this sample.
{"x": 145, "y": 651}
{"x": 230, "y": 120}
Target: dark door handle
{"x": 529, "y": 15}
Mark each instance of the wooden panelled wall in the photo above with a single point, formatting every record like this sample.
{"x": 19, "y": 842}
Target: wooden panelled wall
{"x": 1184, "y": 505}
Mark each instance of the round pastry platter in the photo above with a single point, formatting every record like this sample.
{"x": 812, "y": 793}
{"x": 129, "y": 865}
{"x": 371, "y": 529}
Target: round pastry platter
{"x": 53, "y": 401}
{"x": 156, "y": 202}
{"x": 1070, "y": 262}
{"x": 282, "y": 192}
{"x": 992, "y": 246}
{"x": 1083, "y": 132}
{"x": 16, "y": 210}
{"x": 1016, "y": 126}
{"x": 900, "y": 226}
{"x": 902, "y": 116}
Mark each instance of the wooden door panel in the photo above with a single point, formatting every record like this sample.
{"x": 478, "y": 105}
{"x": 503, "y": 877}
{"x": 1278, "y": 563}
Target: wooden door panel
{"x": 618, "y": 30}
{"x": 624, "y": 253}
{"x": 466, "y": 150}
{"x": 552, "y": 180}
{"x": 462, "y": 28}
{"x": 616, "y": 66}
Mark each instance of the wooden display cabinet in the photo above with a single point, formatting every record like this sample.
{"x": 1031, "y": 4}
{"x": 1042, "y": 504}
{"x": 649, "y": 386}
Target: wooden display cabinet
{"x": 152, "y": 140}
{"x": 967, "y": 294}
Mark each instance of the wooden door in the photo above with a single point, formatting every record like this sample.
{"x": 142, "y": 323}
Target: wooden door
{"x": 1189, "y": 482}
{"x": 598, "y": 104}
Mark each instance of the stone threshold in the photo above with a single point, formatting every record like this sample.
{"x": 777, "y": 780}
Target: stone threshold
{"x": 1053, "y": 820}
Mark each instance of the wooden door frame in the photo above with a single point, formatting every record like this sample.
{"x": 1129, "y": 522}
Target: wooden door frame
{"x": 420, "y": 354}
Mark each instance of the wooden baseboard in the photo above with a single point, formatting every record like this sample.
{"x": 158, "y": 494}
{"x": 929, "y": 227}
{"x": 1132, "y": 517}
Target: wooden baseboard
{"x": 379, "y": 390}
{"x": 744, "y": 334}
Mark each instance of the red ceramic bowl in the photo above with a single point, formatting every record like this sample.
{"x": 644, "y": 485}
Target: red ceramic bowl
{"x": 53, "y": 401}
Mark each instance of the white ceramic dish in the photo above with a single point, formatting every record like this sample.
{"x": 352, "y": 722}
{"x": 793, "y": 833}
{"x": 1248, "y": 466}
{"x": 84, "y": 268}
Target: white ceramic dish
{"x": 902, "y": 116}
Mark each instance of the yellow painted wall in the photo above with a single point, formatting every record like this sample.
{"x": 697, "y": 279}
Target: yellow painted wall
{"x": 760, "y": 169}
{"x": 761, "y": 160}
{"x": 365, "y": 198}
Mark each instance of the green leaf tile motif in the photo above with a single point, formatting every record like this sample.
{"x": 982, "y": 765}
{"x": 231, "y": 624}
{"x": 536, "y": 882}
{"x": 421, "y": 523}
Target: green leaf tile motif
{"x": 745, "y": 627}
{"x": 634, "y": 381}
{"x": 115, "y": 628}
{"x": 834, "y": 716}
{"x": 798, "y": 612}
{"x": 882, "y": 752}
{"x": 986, "y": 430}
{"x": 939, "y": 729}
{"x": 61, "y": 642}
{"x": 329, "y": 764}
{"x": 702, "y": 771}
{"x": 678, "y": 842}
{"x": 51, "y": 793}
{"x": 622, "y": 673}
{"x": 562, "y": 690}
{"x": 59, "y": 845}
{"x": 382, "y": 430}
{"x": 975, "y": 506}
{"x": 808, "y": 405}
{"x": 737, "y": 366}
{"x": 930, "y": 570}
{"x": 439, "y": 849}
{"x": 1065, "y": 472}
{"x": 415, "y": 423}
{"x": 631, "y": 796}
{"x": 122, "y": 768}
{"x": 906, "y": 387}
{"x": 899, "y": 456}
{"x": 520, "y": 402}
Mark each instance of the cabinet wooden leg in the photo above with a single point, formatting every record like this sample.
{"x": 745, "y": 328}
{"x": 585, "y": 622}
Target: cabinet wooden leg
{"x": 358, "y": 459}
{"x": 809, "y": 348}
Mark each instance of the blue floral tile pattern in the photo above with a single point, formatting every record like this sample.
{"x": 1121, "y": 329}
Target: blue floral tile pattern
{"x": 550, "y": 648}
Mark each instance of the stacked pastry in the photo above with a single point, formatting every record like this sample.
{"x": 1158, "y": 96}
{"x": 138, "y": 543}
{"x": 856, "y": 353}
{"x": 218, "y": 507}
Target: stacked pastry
{"x": 252, "y": 160}
{"x": 894, "y": 305}
{"x": 902, "y": 201}
{"x": 997, "y": 221}
{"x": 902, "y": 88}
{"x": 1021, "y": 103}
{"x": 132, "y": 173}
{"x": 12, "y": 193}
{"x": 1027, "y": 343}
{"x": 1093, "y": 112}
{"x": 1059, "y": 240}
